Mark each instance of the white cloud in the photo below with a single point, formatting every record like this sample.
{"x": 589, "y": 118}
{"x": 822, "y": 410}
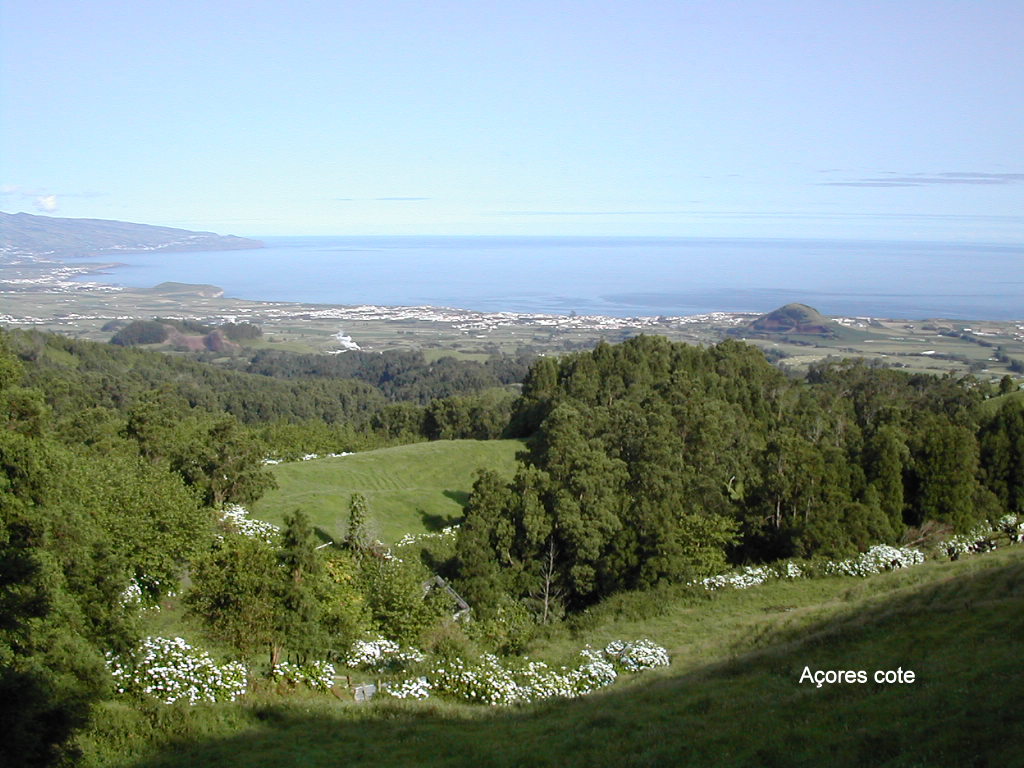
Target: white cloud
{"x": 46, "y": 203}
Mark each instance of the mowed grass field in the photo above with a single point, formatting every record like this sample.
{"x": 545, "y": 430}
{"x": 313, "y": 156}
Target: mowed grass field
{"x": 732, "y": 696}
{"x": 408, "y": 488}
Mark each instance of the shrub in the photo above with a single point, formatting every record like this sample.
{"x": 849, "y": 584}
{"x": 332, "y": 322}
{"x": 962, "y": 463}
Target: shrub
{"x": 489, "y": 681}
{"x": 171, "y": 670}
{"x": 317, "y": 675}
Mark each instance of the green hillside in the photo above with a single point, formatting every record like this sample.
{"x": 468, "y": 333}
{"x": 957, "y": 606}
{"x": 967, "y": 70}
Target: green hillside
{"x": 409, "y": 488}
{"x": 732, "y": 696}
{"x": 993, "y": 404}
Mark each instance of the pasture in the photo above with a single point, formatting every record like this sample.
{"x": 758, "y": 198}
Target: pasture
{"x": 409, "y": 488}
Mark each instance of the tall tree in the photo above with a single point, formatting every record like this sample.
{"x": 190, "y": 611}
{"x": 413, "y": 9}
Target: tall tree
{"x": 235, "y": 594}
{"x": 303, "y": 589}
{"x": 357, "y": 539}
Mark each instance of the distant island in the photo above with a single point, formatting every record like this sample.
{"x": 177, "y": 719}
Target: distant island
{"x": 24, "y": 235}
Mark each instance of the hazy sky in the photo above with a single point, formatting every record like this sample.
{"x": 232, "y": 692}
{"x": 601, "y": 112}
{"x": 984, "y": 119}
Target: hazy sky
{"x": 897, "y": 119}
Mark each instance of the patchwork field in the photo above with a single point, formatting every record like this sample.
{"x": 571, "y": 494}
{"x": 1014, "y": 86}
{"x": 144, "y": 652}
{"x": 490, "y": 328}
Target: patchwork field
{"x": 987, "y": 349}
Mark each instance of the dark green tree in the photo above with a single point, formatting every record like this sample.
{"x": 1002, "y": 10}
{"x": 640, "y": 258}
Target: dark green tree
{"x": 303, "y": 589}
{"x": 483, "y": 547}
{"x": 944, "y": 474}
{"x": 357, "y": 538}
{"x": 1002, "y": 455}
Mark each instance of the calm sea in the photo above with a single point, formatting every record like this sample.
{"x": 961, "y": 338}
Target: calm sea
{"x": 611, "y": 276}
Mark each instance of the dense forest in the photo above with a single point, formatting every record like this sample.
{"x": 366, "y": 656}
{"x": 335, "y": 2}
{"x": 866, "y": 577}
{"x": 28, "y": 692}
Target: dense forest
{"x": 653, "y": 462}
{"x": 295, "y": 404}
{"x": 648, "y": 463}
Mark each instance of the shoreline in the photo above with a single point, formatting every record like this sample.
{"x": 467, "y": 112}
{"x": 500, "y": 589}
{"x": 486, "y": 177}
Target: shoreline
{"x": 55, "y": 274}
{"x": 50, "y": 295}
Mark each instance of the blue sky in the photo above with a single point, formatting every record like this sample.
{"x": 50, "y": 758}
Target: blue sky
{"x": 900, "y": 119}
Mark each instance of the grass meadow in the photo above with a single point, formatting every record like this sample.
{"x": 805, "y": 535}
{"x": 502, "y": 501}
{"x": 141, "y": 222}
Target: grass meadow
{"x": 732, "y": 696}
{"x": 408, "y": 488}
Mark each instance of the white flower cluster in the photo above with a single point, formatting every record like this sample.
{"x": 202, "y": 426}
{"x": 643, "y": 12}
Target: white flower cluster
{"x": 978, "y": 539}
{"x": 880, "y": 557}
{"x": 382, "y": 654}
{"x": 490, "y": 682}
{"x": 238, "y": 518}
{"x": 749, "y": 576}
{"x": 132, "y": 594}
{"x": 136, "y": 596}
{"x": 412, "y": 538}
{"x": 790, "y": 570}
{"x": 414, "y": 688}
{"x": 1012, "y": 526}
{"x": 318, "y": 675}
{"x": 877, "y": 559}
{"x": 637, "y": 656}
{"x": 172, "y": 670}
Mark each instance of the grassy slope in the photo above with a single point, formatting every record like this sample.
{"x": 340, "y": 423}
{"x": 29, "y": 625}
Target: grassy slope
{"x": 993, "y": 404}
{"x": 409, "y": 489}
{"x": 731, "y": 698}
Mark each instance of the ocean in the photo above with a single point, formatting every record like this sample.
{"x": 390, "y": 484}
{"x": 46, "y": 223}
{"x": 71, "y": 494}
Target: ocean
{"x": 616, "y": 276}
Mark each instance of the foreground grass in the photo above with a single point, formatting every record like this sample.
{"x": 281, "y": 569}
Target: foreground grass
{"x": 731, "y": 698}
{"x": 409, "y": 488}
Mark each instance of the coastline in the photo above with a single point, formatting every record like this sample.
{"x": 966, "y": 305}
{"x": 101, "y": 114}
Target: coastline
{"x": 49, "y": 294}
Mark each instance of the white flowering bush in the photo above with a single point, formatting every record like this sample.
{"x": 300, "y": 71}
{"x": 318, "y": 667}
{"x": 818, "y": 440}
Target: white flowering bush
{"x": 237, "y": 518}
{"x": 637, "y": 656}
{"x": 749, "y": 576}
{"x": 1013, "y": 527}
{"x": 171, "y": 670}
{"x": 414, "y": 688}
{"x": 978, "y": 539}
{"x": 485, "y": 682}
{"x": 317, "y": 675}
{"x": 490, "y": 682}
{"x": 132, "y": 594}
{"x": 880, "y": 557}
{"x": 877, "y": 559}
{"x": 789, "y": 570}
{"x": 381, "y": 654}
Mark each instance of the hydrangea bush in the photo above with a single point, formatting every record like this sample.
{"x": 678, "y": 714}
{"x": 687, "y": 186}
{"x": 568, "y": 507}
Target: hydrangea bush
{"x": 749, "y": 576}
{"x": 880, "y": 557}
{"x": 637, "y": 656}
{"x": 1013, "y": 527}
{"x": 414, "y": 688}
{"x": 978, "y": 539}
{"x": 237, "y": 518}
{"x": 382, "y": 655}
{"x": 132, "y": 594}
{"x": 491, "y": 682}
{"x": 171, "y": 670}
{"x": 317, "y": 675}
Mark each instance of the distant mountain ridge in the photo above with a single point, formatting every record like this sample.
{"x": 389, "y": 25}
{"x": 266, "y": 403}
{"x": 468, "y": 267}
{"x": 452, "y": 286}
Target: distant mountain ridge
{"x": 24, "y": 234}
